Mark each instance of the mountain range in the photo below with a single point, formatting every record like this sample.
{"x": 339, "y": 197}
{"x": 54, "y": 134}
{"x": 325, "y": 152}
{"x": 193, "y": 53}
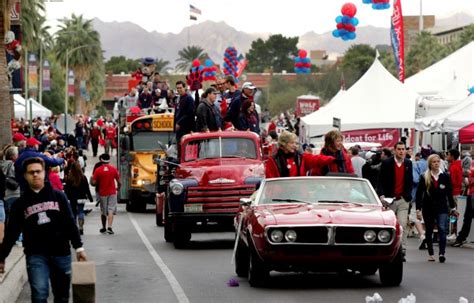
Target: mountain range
{"x": 132, "y": 41}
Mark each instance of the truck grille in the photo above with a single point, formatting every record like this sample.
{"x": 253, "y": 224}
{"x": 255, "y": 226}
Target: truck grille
{"x": 219, "y": 199}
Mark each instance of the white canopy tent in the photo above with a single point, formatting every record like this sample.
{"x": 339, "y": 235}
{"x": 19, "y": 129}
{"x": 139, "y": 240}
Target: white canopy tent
{"x": 38, "y": 110}
{"x": 452, "y": 119}
{"x": 377, "y": 100}
{"x": 449, "y": 77}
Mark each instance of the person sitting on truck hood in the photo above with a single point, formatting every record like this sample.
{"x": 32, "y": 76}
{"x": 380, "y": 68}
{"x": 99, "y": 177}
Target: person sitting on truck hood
{"x": 288, "y": 162}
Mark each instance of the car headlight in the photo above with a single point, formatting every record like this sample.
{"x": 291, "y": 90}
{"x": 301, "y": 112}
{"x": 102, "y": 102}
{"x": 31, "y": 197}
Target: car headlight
{"x": 176, "y": 188}
{"x": 290, "y": 235}
{"x": 370, "y": 236}
{"x": 384, "y": 236}
{"x": 276, "y": 236}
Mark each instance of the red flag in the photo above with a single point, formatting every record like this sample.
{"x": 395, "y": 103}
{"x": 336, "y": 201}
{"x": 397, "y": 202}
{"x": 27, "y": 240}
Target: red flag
{"x": 398, "y": 39}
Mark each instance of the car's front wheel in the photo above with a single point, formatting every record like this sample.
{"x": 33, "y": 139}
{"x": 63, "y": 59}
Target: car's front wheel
{"x": 391, "y": 274}
{"x": 181, "y": 239}
{"x": 258, "y": 273}
{"x": 241, "y": 260}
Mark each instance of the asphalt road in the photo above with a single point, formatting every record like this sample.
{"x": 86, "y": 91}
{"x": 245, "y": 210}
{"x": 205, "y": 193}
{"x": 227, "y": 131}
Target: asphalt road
{"x": 137, "y": 265}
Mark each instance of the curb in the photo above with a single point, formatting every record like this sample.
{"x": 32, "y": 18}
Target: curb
{"x": 14, "y": 278}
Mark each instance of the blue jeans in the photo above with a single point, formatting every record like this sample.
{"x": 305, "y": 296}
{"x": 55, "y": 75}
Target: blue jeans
{"x": 80, "y": 211}
{"x": 442, "y": 222}
{"x": 41, "y": 269}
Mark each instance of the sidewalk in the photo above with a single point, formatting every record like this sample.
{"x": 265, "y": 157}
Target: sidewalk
{"x": 12, "y": 281}
{"x": 15, "y": 277}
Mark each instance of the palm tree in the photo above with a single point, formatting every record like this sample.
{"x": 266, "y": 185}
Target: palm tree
{"x": 32, "y": 21}
{"x": 160, "y": 65}
{"x": 77, "y": 38}
{"x": 187, "y": 55}
{"x": 424, "y": 52}
{"x": 6, "y": 102}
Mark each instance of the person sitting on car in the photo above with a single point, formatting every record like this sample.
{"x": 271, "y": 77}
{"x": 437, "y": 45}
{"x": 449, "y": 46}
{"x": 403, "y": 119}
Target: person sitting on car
{"x": 333, "y": 147}
{"x": 288, "y": 162}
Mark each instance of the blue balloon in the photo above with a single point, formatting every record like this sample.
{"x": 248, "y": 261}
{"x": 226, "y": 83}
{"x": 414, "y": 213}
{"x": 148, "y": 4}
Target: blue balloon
{"x": 208, "y": 62}
{"x": 345, "y": 37}
{"x": 342, "y": 32}
{"x": 339, "y": 19}
{"x": 345, "y": 19}
{"x": 336, "y": 33}
{"x": 367, "y": 1}
{"x": 306, "y": 60}
{"x": 354, "y": 21}
{"x": 201, "y": 68}
{"x": 297, "y": 59}
{"x": 351, "y": 35}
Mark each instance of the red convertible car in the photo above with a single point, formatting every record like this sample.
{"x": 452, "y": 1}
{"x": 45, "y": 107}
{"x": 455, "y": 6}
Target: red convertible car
{"x": 316, "y": 224}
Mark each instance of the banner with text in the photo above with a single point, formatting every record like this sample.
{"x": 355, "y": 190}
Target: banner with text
{"x": 70, "y": 83}
{"x": 385, "y": 136}
{"x": 46, "y": 76}
{"x": 32, "y": 72}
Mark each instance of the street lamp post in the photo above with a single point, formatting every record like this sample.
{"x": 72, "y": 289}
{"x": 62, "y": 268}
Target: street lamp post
{"x": 68, "y": 52}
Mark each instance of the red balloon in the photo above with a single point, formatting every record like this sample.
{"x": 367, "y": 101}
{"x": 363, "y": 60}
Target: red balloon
{"x": 349, "y": 9}
{"x": 196, "y": 63}
{"x": 349, "y": 27}
{"x": 340, "y": 25}
{"x": 302, "y": 53}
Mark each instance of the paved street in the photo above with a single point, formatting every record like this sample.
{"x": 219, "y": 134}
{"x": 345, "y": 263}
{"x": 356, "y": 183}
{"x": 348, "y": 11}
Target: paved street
{"x": 137, "y": 265}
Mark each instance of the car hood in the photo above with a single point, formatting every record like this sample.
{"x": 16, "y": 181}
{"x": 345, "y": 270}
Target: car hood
{"x": 221, "y": 171}
{"x": 289, "y": 214}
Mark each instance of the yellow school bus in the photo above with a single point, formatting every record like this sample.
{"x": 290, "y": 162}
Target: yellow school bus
{"x": 146, "y": 138}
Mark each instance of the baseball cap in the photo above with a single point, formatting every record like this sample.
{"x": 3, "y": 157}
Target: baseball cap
{"x": 18, "y": 137}
{"x": 32, "y": 142}
{"x": 248, "y": 85}
{"x": 369, "y": 155}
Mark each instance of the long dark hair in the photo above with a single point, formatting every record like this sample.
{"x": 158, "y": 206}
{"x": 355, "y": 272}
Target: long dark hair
{"x": 75, "y": 174}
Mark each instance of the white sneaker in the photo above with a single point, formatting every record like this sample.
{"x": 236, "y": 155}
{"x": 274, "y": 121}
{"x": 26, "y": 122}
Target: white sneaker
{"x": 451, "y": 237}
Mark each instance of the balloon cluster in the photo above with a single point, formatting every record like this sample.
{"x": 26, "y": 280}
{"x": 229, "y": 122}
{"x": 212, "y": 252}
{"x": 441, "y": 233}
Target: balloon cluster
{"x": 471, "y": 90}
{"x": 230, "y": 62}
{"x": 302, "y": 63}
{"x": 209, "y": 71}
{"x": 378, "y": 4}
{"x": 195, "y": 77}
{"x": 346, "y": 24}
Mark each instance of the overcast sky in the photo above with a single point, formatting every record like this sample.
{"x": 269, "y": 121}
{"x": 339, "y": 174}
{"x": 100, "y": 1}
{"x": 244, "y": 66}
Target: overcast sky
{"x": 289, "y": 18}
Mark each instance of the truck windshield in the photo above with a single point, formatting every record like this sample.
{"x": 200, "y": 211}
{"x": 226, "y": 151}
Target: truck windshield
{"x": 225, "y": 148}
{"x": 148, "y": 141}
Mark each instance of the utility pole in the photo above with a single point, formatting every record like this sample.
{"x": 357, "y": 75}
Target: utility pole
{"x": 421, "y": 25}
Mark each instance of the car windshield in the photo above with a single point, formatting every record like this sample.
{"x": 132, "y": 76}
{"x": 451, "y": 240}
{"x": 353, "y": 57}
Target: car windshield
{"x": 148, "y": 141}
{"x": 220, "y": 148}
{"x": 318, "y": 190}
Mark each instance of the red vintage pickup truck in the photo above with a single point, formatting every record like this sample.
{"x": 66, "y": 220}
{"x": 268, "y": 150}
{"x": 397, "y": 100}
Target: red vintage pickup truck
{"x": 216, "y": 170}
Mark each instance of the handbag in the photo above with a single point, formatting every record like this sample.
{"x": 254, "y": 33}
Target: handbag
{"x": 83, "y": 282}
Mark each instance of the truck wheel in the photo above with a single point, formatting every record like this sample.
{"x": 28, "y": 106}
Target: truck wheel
{"x": 181, "y": 239}
{"x": 241, "y": 260}
{"x": 258, "y": 273}
{"x": 391, "y": 274}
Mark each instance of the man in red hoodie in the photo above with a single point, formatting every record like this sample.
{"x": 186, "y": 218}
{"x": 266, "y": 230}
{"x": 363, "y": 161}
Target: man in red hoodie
{"x": 455, "y": 171}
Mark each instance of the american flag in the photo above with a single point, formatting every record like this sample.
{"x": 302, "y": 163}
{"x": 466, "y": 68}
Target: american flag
{"x": 194, "y": 10}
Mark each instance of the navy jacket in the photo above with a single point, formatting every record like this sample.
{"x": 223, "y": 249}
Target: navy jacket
{"x": 233, "y": 112}
{"x": 386, "y": 182}
{"x": 245, "y": 124}
{"x": 47, "y": 223}
{"x": 184, "y": 115}
{"x": 436, "y": 199}
{"x": 30, "y": 152}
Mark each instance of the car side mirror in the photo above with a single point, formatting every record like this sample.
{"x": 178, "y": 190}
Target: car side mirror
{"x": 245, "y": 201}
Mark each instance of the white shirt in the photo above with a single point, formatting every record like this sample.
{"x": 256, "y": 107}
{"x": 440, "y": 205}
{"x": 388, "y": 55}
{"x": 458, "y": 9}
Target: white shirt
{"x": 357, "y": 163}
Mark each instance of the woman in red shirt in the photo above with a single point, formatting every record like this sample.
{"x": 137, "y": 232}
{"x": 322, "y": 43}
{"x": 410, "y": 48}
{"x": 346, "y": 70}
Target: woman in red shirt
{"x": 333, "y": 147}
{"x": 288, "y": 162}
